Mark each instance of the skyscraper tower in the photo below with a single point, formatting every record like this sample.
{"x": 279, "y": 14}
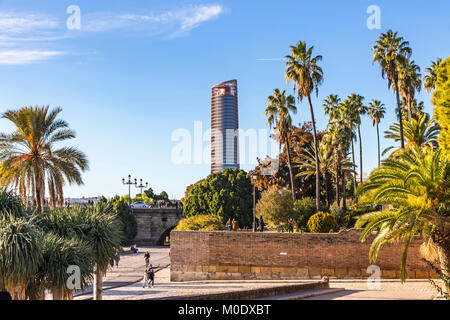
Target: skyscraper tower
{"x": 224, "y": 127}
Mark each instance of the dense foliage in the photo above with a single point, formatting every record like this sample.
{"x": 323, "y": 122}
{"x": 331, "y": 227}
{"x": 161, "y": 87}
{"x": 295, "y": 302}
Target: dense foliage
{"x": 441, "y": 101}
{"x": 201, "y": 222}
{"x": 322, "y": 222}
{"x": 227, "y": 194}
{"x": 126, "y": 216}
{"x": 276, "y": 207}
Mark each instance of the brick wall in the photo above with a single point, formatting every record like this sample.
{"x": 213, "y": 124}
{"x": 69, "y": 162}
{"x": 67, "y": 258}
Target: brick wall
{"x": 224, "y": 255}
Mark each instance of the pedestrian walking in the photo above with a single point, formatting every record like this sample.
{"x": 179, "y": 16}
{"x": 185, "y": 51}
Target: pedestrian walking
{"x": 145, "y": 278}
{"x": 229, "y": 224}
{"x": 151, "y": 276}
{"x": 261, "y": 224}
{"x": 117, "y": 258}
{"x": 147, "y": 259}
{"x": 291, "y": 225}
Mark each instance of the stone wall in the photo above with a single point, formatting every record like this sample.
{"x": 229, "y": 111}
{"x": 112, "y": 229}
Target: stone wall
{"x": 155, "y": 224}
{"x": 224, "y": 255}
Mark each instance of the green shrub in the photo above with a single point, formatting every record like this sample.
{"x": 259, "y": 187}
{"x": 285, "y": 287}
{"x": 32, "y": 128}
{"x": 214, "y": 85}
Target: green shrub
{"x": 303, "y": 210}
{"x": 276, "y": 207}
{"x": 10, "y": 203}
{"x": 322, "y": 222}
{"x": 201, "y": 222}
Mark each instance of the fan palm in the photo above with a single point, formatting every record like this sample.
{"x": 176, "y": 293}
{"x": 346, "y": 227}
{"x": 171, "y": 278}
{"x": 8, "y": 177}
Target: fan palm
{"x": 278, "y": 113}
{"x": 306, "y": 75}
{"x": 409, "y": 82}
{"x": 376, "y": 112}
{"x": 390, "y": 50}
{"x": 417, "y": 185}
{"x": 28, "y": 157}
{"x": 418, "y": 132}
{"x": 430, "y": 77}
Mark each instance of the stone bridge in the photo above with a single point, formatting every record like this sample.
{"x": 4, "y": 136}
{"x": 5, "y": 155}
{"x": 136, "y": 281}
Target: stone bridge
{"x": 154, "y": 225}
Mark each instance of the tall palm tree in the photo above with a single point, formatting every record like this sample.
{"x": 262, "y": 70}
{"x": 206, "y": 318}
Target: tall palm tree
{"x": 357, "y": 109}
{"x": 417, "y": 185}
{"x": 331, "y": 106}
{"x": 430, "y": 77}
{"x": 418, "y": 133}
{"x": 29, "y": 157}
{"x": 306, "y": 75}
{"x": 376, "y": 112}
{"x": 410, "y": 81}
{"x": 390, "y": 50}
{"x": 278, "y": 113}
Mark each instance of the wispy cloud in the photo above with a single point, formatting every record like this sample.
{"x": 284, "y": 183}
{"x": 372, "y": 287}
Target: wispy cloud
{"x": 22, "y": 33}
{"x": 173, "y": 23}
{"x": 26, "y": 56}
{"x": 271, "y": 59}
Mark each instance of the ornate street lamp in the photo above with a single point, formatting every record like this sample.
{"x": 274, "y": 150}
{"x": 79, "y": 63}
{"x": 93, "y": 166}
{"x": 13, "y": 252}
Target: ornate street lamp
{"x": 129, "y": 183}
{"x": 254, "y": 176}
{"x": 140, "y": 186}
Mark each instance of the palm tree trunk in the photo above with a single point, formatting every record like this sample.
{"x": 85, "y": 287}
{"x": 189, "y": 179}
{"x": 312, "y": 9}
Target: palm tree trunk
{"x": 344, "y": 193}
{"x": 378, "y": 138}
{"x": 316, "y": 153}
{"x": 37, "y": 185}
{"x": 337, "y": 190}
{"x": 399, "y": 110}
{"x": 98, "y": 284}
{"x": 409, "y": 110}
{"x": 58, "y": 293}
{"x": 327, "y": 188}
{"x": 360, "y": 155}
{"x": 355, "y": 182}
{"x": 290, "y": 166}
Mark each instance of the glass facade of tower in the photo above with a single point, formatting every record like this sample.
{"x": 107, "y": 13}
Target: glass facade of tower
{"x": 224, "y": 127}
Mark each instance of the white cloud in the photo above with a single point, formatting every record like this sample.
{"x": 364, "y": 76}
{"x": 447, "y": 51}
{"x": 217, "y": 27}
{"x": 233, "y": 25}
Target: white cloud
{"x": 21, "y": 23}
{"x": 26, "y": 56}
{"x": 175, "y": 23}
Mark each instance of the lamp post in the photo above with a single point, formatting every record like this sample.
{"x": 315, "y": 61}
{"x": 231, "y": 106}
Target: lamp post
{"x": 129, "y": 183}
{"x": 140, "y": 186}
{"x": 254, "y": 176}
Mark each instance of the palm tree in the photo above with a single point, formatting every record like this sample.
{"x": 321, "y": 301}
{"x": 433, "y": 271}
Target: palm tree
{"x": 357, "y": 109}
{"x": 20, "y": 254}
{"x": 28, "y": 156}
{"x": 104, "y": 235}
{"x": 430, "y": 77}
{"x": 417, "y": 185}
{"x": 331, "y": 106}
{"x": 418, "y": 133}
{"x": 306, "y": 75}
{"x": 389, "y": 51}
{"x": 278, "y": 113}
{"x": 306, "y": 163}
{"x": 409, "y": 82}
{"x": 376, "y": 112}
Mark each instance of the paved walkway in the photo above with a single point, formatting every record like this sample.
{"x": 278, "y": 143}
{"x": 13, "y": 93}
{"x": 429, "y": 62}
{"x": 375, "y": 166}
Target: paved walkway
{"x": 131, "y": 268}
{"x": 389, "y": 290}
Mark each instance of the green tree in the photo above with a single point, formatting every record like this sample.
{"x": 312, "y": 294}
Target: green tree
{"x": 303, "y": 210}
{"x": 278, "y": 113}
{"x": 306, "y": 75}
{"x": 430, "y": 77}
{"x": 390, "y": 51}
{"x": 276, "y": 207}
{"x": 376, "y": 112}
{"x": 227, "y": 194}
{"x": 126, "y": 216}
{"x": 417, "y": 186}
{"x": 28, "y": 157}
{"x": 441, "y": 102}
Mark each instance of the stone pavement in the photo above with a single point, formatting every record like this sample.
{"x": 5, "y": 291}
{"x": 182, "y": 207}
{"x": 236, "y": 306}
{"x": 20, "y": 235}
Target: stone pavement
{"x": 389, "y": 290}
{"x": 131, "y": 268}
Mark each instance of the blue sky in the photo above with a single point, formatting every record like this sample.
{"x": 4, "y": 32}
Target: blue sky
{"x": 137, "y": 71}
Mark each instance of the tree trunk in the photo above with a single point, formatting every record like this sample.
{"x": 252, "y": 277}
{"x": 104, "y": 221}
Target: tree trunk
{"x": 355, "y": 182}
{"x": 399, "y": 108}
{"x": 37, "y": 185}
{"x": 98, "y": 284}
{"x": 316, "y": 152}
{"x": 344, "y": 193}
{"x": 360, "y": 155}
{"x": 327, "y": 188}
{"x": 337, "y": 191}
{"x": 290, "y": 166}
{"x": 444, "y": 260}
{"x": 378, "y": 138}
